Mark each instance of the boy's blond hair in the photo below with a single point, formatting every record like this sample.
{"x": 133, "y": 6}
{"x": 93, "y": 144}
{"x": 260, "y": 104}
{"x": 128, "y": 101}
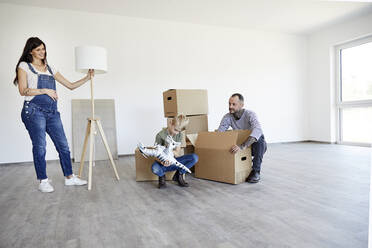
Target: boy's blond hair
{"x": 180, "y": 121}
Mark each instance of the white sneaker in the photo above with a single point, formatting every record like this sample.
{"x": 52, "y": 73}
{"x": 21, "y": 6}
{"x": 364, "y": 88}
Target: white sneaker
{"x": 45, "y": 186}
{"x": 74, "y": 180}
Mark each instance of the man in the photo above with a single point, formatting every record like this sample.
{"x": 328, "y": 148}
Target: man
{"x": 240, "y": 118}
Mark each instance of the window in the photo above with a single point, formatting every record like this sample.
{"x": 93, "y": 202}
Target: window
{"x": 354, "y": 92}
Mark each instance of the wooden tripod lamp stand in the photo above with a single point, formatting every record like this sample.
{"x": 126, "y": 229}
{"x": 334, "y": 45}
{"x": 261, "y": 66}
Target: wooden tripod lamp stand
{"x": 92, "y": 57}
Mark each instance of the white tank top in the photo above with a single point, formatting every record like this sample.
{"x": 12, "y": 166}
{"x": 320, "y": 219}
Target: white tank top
{"x": 32, "y": 77}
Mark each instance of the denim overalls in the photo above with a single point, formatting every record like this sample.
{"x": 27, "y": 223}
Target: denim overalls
{"x": 40, "y": 116}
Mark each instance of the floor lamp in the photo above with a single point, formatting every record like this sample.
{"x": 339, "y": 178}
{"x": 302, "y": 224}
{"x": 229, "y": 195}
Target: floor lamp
{"x": 92, "y": 57}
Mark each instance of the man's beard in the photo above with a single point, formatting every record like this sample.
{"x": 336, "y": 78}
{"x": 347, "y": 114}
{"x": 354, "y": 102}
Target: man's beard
{"x": 238, "y": 114}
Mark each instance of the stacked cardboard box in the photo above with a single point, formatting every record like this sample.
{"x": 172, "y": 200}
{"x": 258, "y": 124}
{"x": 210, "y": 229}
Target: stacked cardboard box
{"x": 187, "y": 102}
{"x": 193, "y": 104}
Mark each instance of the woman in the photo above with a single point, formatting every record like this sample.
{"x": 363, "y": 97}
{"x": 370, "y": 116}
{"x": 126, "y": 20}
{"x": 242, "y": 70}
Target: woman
{"x": 36, "y": 82}
{"x": 174, "y": 128}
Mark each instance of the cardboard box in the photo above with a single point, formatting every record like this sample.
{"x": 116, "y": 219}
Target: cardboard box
{"x": 143, "y": 168}
{"x": 197, "y": 123}
{"x": 187, "y": 102}
{"x": 215, "y": 160}
{"x": 188, "y": 150}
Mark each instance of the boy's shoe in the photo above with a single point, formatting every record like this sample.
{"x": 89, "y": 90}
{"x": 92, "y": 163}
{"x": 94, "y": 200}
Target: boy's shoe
{"x": 178, "y": 177}
{"x": 162, "y": 183}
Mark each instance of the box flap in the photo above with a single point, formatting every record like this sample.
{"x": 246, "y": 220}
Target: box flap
{"x": 221, "y": 140}
{"x": 192, "y": 138}
{"x": 216, "y": 140}
{"x": 242, "y": 136}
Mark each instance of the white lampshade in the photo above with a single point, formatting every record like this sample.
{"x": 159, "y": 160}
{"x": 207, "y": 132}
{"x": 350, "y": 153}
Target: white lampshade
{"x": 91, "y": 57}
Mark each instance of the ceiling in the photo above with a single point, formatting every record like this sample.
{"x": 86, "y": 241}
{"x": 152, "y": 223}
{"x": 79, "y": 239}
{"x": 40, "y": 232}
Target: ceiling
{"x": 299, "y": 17}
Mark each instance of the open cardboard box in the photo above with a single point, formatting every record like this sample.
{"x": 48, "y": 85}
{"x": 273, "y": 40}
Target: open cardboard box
{"x": 215, "y": 160}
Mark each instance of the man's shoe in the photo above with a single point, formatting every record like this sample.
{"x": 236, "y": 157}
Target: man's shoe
{"x": 162, "y": 183}
{"x": 178, "y": 177}
{"x": 254, "y": 177}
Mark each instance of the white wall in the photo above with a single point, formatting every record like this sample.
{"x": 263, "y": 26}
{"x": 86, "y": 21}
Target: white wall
{"x": 322, "y": 85}
{"x": 147, "y": 57}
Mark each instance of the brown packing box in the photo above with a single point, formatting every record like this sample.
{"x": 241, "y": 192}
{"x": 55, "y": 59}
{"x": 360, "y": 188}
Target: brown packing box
{"x": 197, "y": 124}
{"x": 143, "y": 168}
{"x": 190, "y": 140}
{"x": 188, "y": 150}
{"x": 215, "y": 160}
{"x": 187, "y": 102}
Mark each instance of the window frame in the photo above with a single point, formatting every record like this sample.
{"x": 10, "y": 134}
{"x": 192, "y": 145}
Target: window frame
{"x": 340, "y": 105}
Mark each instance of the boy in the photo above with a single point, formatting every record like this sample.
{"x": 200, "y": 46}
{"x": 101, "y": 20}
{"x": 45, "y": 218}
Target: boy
{"x": 174, "y": 128}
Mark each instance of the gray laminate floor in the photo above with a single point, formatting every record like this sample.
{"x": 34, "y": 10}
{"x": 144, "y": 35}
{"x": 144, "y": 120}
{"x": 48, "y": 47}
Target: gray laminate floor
{"x": 311, "y": 195}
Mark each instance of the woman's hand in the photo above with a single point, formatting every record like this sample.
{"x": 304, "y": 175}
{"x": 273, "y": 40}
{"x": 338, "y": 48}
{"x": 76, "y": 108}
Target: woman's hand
{"x": 51, "y": 93}
{"x": 58, "y": 76}
{"x": 90, "y": 74}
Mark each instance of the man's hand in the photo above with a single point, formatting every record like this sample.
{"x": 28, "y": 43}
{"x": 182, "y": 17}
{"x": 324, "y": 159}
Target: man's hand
{"x": 235, "y": 149}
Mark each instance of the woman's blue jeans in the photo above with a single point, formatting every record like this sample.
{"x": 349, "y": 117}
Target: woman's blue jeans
{"x": 38, "y": 122}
